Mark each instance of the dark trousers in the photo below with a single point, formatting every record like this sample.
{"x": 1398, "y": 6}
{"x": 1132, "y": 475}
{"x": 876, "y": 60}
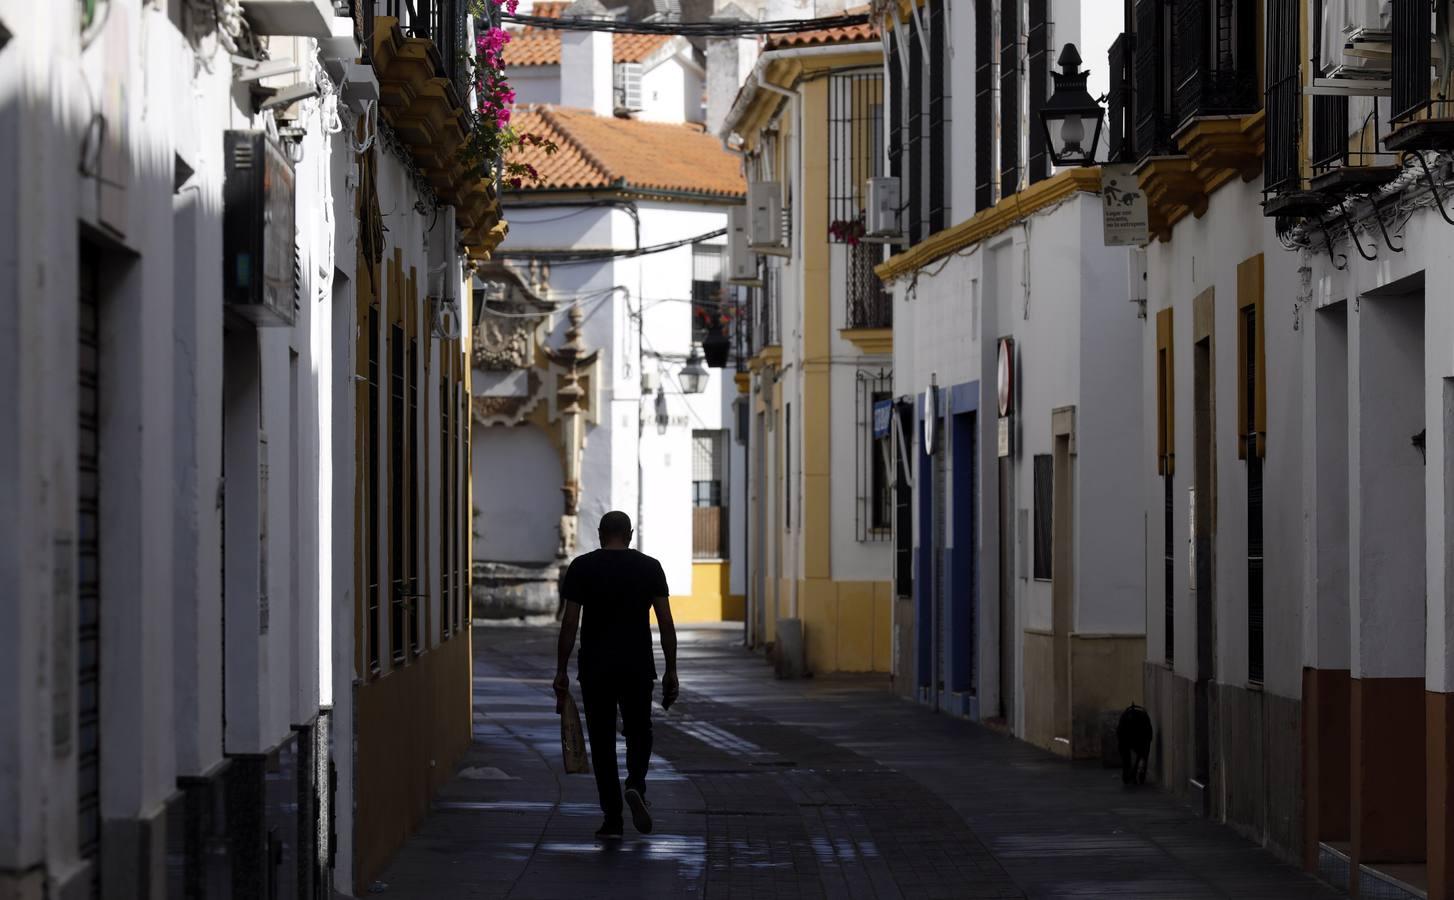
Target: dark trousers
{"x": 602, "y": 696}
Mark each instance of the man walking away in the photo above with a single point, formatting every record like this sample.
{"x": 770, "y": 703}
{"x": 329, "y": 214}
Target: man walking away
{"x": 617, "y": 587}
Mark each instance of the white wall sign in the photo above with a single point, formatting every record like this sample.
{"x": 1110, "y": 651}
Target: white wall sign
{"x": 1004, "y": 437}
{"x": 1123, "y": 208}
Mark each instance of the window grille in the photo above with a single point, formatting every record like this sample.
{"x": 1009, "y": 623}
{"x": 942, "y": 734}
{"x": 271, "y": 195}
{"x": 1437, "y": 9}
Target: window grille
{"x": 1009, "y": 98}
{"x": 1254, "y": 502}
{"x": 708, "y": 268}
{"x": 87, "y": 696}
{"x": 446, "y": 499}
{"x": 869, "y": 304}
{"x": 915, "y": 150}
{"x": 766, "y": 327}
{"x": 939, "y": 106}
{"x": 1280, "y": 164}
{"x": 1168, "y": 554}
{"x": 397, "y": 576}
{"x": 1120, "y": 122}
{"x": 1037, "y": 46}
{"x": 1214, "y": 58}
{"x": 984, "y": 119}
{"x": 873, "y": 460}
{"x": 1412, "y": 35}
{"x": 1044, "y": 515}
{"x": 441, "y": 21}
{"x": 897, "y": 99}
{"x": 412, "y": 533}
{"x": 1152, "y": 96}
{"x": 855, "y": 142}
{"x": 709, "y": 493}
{"x": 371, "y": 621}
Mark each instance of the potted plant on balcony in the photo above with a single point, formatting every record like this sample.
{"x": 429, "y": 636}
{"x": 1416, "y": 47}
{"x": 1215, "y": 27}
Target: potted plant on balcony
{"x": 716, "y": 345}
{"x": 848, "y": 231}
{"x": 491, "y": 138}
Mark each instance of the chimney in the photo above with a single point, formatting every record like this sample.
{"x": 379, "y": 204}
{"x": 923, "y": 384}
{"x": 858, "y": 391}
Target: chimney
{"x": 729, "y": 61}
{"x": 585, "y": 62}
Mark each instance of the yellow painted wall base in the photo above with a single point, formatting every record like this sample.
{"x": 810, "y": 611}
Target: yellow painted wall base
{"x": 847, "y": 624}
{"x": 711, "y": 599}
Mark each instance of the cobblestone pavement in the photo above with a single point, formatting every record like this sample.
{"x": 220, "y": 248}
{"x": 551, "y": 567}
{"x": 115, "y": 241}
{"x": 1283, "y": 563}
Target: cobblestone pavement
{"x": 828, "y": 787}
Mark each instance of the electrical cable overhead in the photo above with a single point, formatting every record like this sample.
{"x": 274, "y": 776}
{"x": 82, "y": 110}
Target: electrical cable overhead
{"x": 576, "y": 257}
{"x": 687, "y": 29}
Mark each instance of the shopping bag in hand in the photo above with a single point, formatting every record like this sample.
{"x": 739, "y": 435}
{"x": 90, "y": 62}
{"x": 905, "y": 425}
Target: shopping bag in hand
{"x": 572, "y": 738}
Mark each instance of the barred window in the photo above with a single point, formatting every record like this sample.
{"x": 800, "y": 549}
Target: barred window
{"x": 873, "y": 453}
{"x": 709, "y": 492}
{"x": 708, "y": 264}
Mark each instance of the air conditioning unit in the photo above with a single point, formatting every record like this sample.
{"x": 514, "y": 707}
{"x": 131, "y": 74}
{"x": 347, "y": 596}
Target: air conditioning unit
{"x": 626, "y": 84}
{"x": 882, "y": 215}
{"x": 258, "y": 249}
{"x": 765, "y": 231}
{"x": 290, "y": 18}
{"x": 741, "y": 261}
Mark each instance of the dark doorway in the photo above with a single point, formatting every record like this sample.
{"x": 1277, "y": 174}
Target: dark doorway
{"x": 1203, "y": 502}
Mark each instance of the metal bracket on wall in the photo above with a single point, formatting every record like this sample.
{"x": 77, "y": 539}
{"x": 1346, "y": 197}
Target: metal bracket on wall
{"x": 1353, "y": 236}
{"x": 1429, "y": 177}
{"x": 4, "y": 35}
{"x": 1328, "y": 241}
{"x": 1383, "y": 226}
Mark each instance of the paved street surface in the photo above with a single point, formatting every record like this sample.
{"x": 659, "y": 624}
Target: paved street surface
{"x": 828, "y": 787}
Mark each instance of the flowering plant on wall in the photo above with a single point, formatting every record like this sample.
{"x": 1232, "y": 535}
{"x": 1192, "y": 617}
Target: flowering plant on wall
{"x": 491, "y": 136}
{"x": 848, "y": 231}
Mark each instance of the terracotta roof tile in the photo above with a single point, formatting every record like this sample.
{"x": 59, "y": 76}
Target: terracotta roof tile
{"x": 822, "y": 37}
{"x": 533, "y": 46}
{"x": 598, "y": 152}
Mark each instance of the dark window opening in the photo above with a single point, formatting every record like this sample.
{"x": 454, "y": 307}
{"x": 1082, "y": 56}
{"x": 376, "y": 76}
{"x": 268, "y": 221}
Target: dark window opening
{"x": 1044, "y": 516}
{"x": 939, "y": 106}
{"x": 1009, "y": 98}
{"x": 1037, "y": 46}
{"x": 371, "y": 624}
{"x": 397, "y": 577}
{"x": 1254, "y": 505}
{"x": 903, "y": 510}
{"x": 984, "y": 120}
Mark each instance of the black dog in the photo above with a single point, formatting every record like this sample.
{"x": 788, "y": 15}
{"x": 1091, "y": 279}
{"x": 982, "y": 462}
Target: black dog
{"x": 1133, "y": 733}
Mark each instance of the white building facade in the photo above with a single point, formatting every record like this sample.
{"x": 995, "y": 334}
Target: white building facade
{"x": 179, "y": 264}
{"x": 626, "y": 233}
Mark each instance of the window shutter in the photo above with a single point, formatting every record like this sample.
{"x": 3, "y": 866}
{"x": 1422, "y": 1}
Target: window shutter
{"x": 1251, "y": 361}
{"x": 1009, "y": 98}
{"x": 1165, "y": 395}
{"x": 1038, "y": 48}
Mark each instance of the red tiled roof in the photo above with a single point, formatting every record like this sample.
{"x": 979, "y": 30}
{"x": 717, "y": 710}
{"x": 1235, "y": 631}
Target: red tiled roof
{"x": 823, "y": 37}
{"x": 533, "y": 46}
{"x": 597, "y": 152}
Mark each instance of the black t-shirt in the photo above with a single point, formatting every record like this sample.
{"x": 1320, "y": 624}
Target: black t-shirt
{"x": 615, "y": 589}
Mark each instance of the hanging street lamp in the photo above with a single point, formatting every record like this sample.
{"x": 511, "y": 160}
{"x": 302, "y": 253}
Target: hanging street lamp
{"x": 693, "y": 375}
{"x": 1071, "y": 117}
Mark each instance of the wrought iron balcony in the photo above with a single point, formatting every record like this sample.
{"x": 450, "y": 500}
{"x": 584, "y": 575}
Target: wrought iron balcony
{"x": 869, "y": 305}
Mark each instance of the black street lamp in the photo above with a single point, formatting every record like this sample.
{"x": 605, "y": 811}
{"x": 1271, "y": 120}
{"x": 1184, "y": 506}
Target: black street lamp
{"x": 693, "y": 375}
{"x": 1072, "y": 115}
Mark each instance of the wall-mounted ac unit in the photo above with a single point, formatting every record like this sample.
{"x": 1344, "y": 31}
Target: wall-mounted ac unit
{"x": 765, "y": 229}
{"x": 741, "y": 261}
{"x": 626, "y": 85}
{"x": 882, "y": 215}
{"x": 258, "y": 252}
{"x": 290, "y": 18}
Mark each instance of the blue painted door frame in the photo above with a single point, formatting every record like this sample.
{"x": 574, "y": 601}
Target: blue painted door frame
{"x": 959, "y": 407}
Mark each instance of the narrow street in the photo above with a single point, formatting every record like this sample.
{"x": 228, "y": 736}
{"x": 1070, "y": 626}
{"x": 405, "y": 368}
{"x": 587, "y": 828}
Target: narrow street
{"x": 829, "y": 787}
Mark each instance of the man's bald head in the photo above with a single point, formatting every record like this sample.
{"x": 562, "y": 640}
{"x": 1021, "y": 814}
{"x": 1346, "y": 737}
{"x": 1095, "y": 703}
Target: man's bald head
{"x": 615, "y": 529}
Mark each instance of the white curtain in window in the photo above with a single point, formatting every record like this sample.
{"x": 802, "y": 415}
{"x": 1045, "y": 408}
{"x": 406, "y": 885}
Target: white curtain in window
{"x": 1343, "y": 17}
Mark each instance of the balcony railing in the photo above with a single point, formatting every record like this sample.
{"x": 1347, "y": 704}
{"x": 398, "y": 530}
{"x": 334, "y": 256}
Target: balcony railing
{"x": 1120, "y": 115}
{"x": 869, "y": 305}
{"x": 1214, "y": 62}
{"x": 441, "y": 21}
